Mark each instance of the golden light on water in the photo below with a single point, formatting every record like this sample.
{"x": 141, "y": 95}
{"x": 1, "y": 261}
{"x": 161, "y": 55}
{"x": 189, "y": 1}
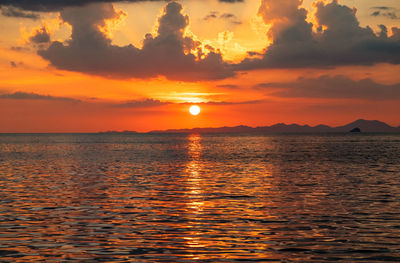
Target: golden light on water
{"x": 194, "y": 110}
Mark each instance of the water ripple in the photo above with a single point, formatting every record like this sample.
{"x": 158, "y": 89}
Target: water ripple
{"x": 199, "y": 198}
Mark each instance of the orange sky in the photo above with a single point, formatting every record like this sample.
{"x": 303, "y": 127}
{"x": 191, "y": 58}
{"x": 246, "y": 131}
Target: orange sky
{"x": 257, "y": 62}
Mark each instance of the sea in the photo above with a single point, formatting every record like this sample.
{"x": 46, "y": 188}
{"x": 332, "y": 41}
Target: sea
{"x": 200, "y": 197}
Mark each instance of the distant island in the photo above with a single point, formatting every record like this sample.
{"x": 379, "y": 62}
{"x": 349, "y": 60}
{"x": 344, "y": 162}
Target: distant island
{"x": 117, "y": 132}
{"x": 357, "y": 126}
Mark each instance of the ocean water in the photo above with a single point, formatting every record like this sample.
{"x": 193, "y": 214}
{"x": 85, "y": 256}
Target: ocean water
{"x": 199, "y": 198}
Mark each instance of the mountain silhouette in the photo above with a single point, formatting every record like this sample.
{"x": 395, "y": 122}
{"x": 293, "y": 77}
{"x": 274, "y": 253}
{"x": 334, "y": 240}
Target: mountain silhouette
{"x": 363, "y": 125}
{"x": 367, "y": 126}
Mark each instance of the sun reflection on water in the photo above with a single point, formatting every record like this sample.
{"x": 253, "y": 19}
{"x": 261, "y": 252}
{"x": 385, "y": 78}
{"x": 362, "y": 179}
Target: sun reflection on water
{"x": 194, "y": 193}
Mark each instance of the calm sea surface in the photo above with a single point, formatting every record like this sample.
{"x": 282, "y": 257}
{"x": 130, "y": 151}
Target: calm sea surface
{"x": 199, "y": 198}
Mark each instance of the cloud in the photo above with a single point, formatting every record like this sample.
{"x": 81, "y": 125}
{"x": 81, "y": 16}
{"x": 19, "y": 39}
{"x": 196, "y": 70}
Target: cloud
{"x": 58, "y": 5}
{"x": 145, "y": 103}
{"x": 131, "y": 104}
{"x": 382, "y": 8}
{"x": 212, "y": 15}
{"x": 149, "y": 103}
{"x": 34, "y": 96}
{"x": 333, "y": 87}
{"x": 386, "y": 11}
{"x": 339, "y": 40}
{"x": 11, "y": 11}
{"x": 170, "y": 53}
{"x": 225, "y": 16}
{"x": 15, "y": 64}
{"x": 40, "y": 35}
{"x": 19, "y": 49}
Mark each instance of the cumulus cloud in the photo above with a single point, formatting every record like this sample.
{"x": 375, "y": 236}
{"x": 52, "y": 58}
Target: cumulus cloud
{"x": 57, "y": 5}
{"x": 170, "y": 53}
{"x": 333, "y": 87}
{"x": 339, "y": 40}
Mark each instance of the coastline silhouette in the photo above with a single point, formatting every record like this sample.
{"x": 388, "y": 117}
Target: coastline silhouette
{"x": 360, "y": 124}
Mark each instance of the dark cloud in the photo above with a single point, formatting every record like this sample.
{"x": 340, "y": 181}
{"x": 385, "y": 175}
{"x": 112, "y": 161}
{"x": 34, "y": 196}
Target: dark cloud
{"x": 145, "y": 103}
{"x": 15, "y": 64}
{"x": 228, "y": 15}
{"x": 382, "y": 8}
{"x": 333, "y": 87}
{"x": 231, "y": 18}
{"x": 168, "y": 54}
{"x": 149, "y": 103}
{"x": 34, "y": 96}
{"x": 19, "y": 49}
{"x": 133, "y": 104}
{"x": 340, "y": 39}
{"x": 212, "y": 15}
{"x": 254, "y": 54}
{"x": 225, "y": 16}
{"x": 58, "y": 5}
{"x": 11, "y": 11}
{"x": 40, "y": 36}
{"x": 386, "y": 11}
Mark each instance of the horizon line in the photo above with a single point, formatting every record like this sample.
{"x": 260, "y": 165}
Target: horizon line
{"x": 186, "y": 130}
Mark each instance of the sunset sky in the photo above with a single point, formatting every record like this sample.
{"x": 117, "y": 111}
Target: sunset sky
{"x": 140, "y": 65}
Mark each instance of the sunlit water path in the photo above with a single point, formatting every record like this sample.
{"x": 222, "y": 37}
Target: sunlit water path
{"x": 199, "y": 198}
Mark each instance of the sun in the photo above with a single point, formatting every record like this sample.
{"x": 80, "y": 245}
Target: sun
{"x": 194, "y": 110}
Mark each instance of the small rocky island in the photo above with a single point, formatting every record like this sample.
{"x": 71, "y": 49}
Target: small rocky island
{"x": 356, "y": 130}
